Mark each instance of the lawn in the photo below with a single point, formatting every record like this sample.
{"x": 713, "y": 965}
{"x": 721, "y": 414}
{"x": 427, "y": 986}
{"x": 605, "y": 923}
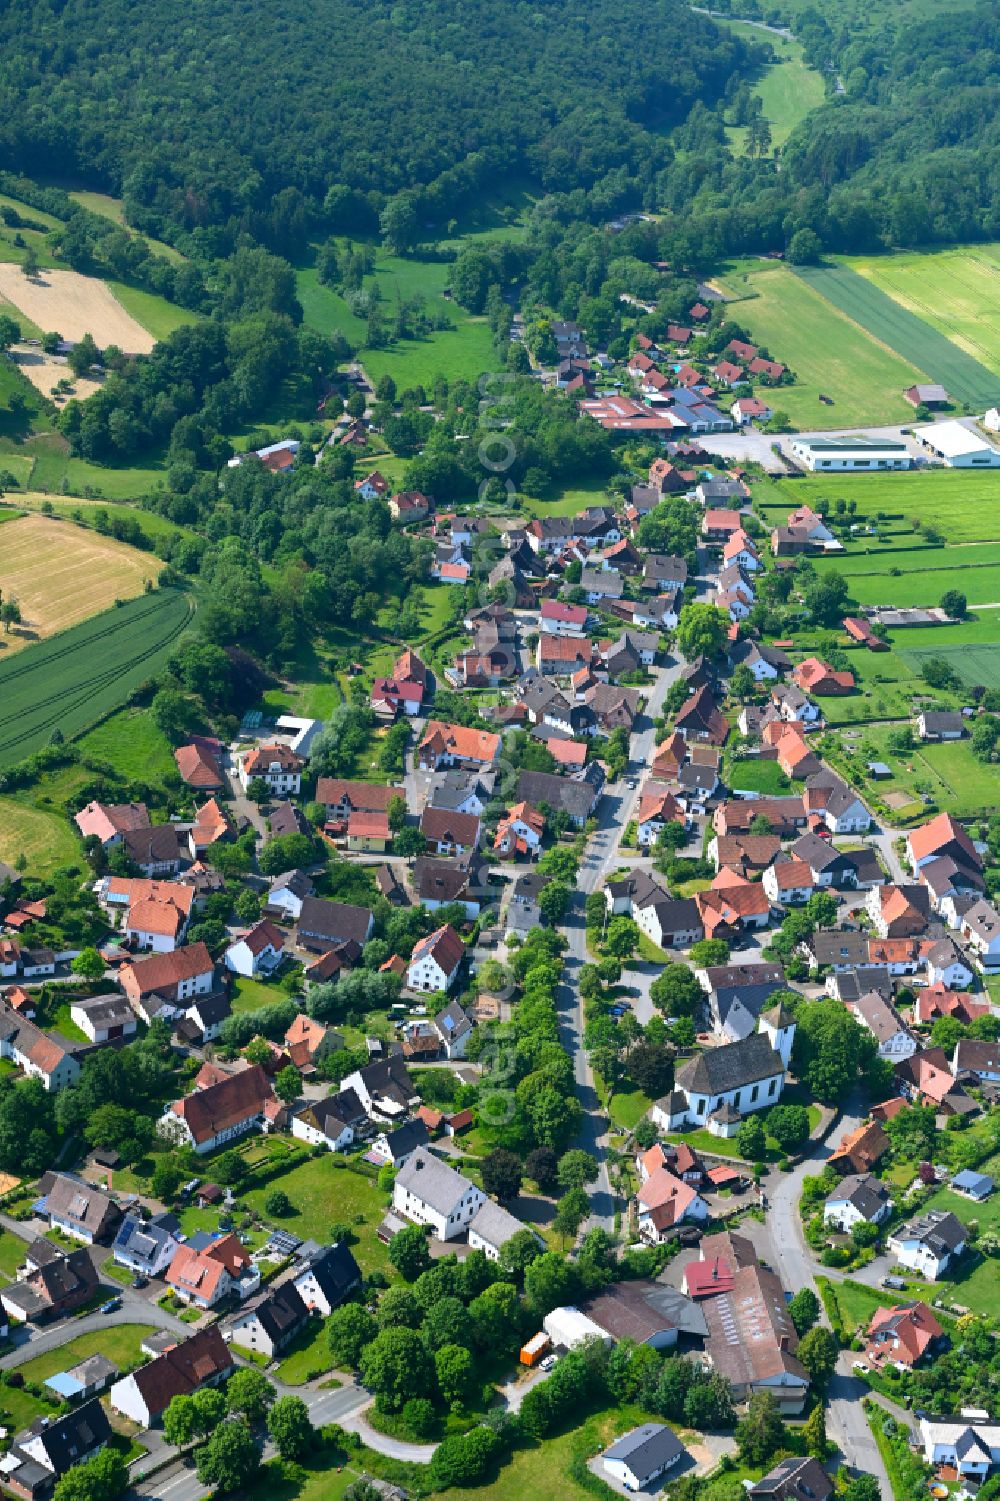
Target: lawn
{"x": 857, "y": 1303}
{"x": 12, "y": 1249}
{"x": 764, "y": 777}
{"x": 40, "y": 839}
{"x": 902, "y": 331}
{"x": 54, "y": 469}
{"x": 627, "y": 1109}
{"x": 114, "y": 209}
{"x": 156, "y": 314}
{"x": 119, "y": 1342}
{"x": 73, "y": 679}
{"x": 323, "y": 1195}
{"x": 62, "y": 1022}
{"x": 788, "y": 88}
{"x": 250, "y": 995}
{"x": 826, "y": 352}
{"x": 461, "y": 352}
{"x": 963, "y": 505}
{"x": 956, "y": 291}
{"x": 920, "y": 585}
{"x": 987, "y": 1215}
{"x": 133, "y": 744}
{"x": 564, "y": 502}
{"x": 308, "y": 1355}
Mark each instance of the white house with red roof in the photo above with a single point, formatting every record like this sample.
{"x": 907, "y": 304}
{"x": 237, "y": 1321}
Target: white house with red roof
{"x": 372, "y": 486}
{"x": 560, "y": 619}
{"x": 664, "y": 1201}
{"x": 277, "y": 765}
{"x": 109, "y": 822}
{"x": 258, "y": 952}
{"x": 436, "y": 960}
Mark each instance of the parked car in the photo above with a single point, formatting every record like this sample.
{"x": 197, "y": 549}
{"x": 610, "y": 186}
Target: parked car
{"x": 548, "y": 1362}
{"x": 140, "y": 1281}
{"x": 111, "y": 1305}
{"x": 896, "y": 1283}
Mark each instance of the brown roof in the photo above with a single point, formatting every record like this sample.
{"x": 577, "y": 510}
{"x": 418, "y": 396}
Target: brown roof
{"x": 164, "y": 971}
{"x": 228, "y": 1103}
{"x": 443, "y": 826}
{"x": 183, "y": 1369}
{"x": 263, "y": 933}
{"x": 264, "y": 756}
{"x": 362, "y": 797}
{"x": 751, "y": 1336}
{"x": 443, "y": 945}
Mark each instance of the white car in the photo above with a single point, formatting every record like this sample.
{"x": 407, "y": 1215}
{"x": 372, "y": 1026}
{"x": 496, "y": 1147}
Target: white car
{"x": 548, "y": 1362}
{"x": 862, "y": 1366}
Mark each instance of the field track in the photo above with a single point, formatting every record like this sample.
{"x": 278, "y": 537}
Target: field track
{"x": 75, "y": 678}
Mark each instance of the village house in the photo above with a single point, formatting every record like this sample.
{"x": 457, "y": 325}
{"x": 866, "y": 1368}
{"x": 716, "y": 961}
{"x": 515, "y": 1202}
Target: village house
{"x": 206, "y": 1269}
{"x": 259, "y": 952}
{"x": 53, "y": 1286}
{"x": 146, "y": 1247}
{"x": 454, "y": 745}
{"x": 212, "y": 825}
{"x": 929, "y": 1244}
{"x": 901, "y": 1336}
{"x": 199, "y": 765}
{"x": 104, "y": 1018}
{"x": 436, "y": 961}
{"x": 330, "y": 1274}
{"x": 48, "y": 1450}
{"x": 36, "y": 1053}
{"x": 325, "y": 925}
{"x": 268, "y": 1321}
{"x": 859, "y": 1199}
{"x": 110, "y": 822}
{"x": 78, "y": 1209}
{"x": 167, "y": 980}
{"x": 201, "y": 1360}
{"x": 449, "y": 833}
{"x": 881, "y": 1018}
{"x": 665, "y": 1201}
{"x": 222, "y": 1112}
{"x": 334, "y": 1122}
{"x": 277, "y": 765}
{"x": 429, "y": 1192}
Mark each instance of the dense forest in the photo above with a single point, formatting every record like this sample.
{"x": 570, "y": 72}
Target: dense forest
{"x": 309, "y": 120}
{"x": 277, "y": 119}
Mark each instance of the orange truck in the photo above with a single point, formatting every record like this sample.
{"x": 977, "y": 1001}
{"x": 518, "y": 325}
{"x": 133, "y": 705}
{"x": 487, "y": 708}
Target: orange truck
{"x": 532, "y": 1352}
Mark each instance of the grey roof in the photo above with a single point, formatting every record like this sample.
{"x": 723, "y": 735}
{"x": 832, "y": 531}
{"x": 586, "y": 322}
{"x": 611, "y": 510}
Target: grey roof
{"x": 406, "y": 1138}
{"x": 452, "y": 1022}
{"x": 561, "y": 793}
{"x": 279, "y": 1311}
{"x": 819, "y": 854}
{"x": 295, "y": 881}
{"x": 941, "y": 721}
{"x": 794, "y": 1480}
{"x": 839, "y": 945}
{"x": 731, "y": 1066}
{"x": 866, "y": 1192}
{"x": 428, "y": 1178}
{"x": 605, "y": 581}
{"x": 106, "y": 1010}
{"x": 879, "y": 1015}
{"x": 851, "y": 984}
{"x": 144, "y": 1240}
{"x": 334, "y": 921}
{"x": 970, "y": 1182}
{"x": 495, "y": 1224}
{"x": 938, "y": 1230}
{"x": 646, "y": 1450}
{"x": 335, "y": 1269}
{"x": 71, "y": 1439}
{"x": 152, "y": 846}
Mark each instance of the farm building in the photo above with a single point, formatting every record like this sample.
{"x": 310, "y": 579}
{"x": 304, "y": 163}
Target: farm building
{"x": 926, "y": 396}
{"x": 958, "y": 446}
{"x": 849, "y": 454}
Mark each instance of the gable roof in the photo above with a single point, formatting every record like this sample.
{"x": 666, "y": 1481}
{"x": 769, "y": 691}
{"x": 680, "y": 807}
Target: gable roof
{"x": 731, "y": 1066}
{"x": 229, "y": 1102}
{"x": 432, "y": 1181}
{"x": 181, "y": 1370}
{"x": 444, "y": 946}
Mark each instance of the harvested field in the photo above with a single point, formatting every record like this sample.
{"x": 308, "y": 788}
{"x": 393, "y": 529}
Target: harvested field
{"x": 61, "y": 574}
{"x": 74, "y": 305}
{"x": 45, "y": 371}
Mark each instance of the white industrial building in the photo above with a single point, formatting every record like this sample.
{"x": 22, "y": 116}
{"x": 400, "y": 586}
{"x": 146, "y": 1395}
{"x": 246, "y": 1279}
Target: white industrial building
{"x": 960, "y": 447}
{"x": 847, "y": 455}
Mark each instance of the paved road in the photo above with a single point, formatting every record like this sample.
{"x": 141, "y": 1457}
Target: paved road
{"x": 614, "y": 813}
{"x": 847, "y": 1425}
